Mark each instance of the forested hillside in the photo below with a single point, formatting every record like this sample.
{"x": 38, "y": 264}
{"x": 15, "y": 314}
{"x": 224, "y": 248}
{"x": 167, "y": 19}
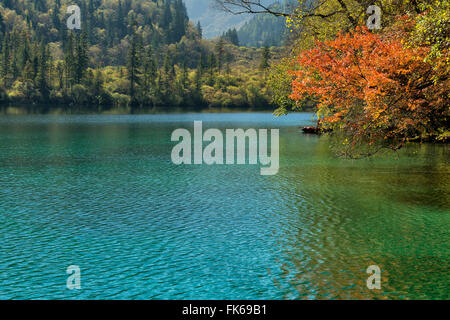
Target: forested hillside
{"x": 213, "y": 20}
{"x": 264, "y": 30}
{"x": 128, "y": 53}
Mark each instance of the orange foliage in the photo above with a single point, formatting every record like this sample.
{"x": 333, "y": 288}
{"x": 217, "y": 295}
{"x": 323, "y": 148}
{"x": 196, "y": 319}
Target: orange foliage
{"x": 372, "y": 87}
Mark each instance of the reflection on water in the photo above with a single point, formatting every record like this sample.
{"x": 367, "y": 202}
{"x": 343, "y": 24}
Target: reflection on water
{"x": 101, "y": 192}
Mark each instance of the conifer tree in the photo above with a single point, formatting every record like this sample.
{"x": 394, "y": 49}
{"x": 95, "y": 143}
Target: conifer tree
{"x": 220, "y": 52}
{"x": 69, "y": 62}
{"x": 41, "y": 76}
{"x": 264, "y": 64}
{"x": 134, "y": 66}
{"x": 81, "y": 57}
{"x": 5, "y": 56}
{"x": 199, "y": 29}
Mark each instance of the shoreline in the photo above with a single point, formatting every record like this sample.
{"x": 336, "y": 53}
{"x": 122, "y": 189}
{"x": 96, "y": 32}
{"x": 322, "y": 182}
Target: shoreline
{"x": 67, "y": 110}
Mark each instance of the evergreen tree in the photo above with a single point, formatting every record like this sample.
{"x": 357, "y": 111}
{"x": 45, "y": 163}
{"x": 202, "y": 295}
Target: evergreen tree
{"x": 35, "y": 61}
{"x": 81, "y": 57}
{"x": 5, "y": 57}
{"x": 167, "y": 15}
{"x": 150, "y": 72}
{"x": 220, "y": 52}
{"x": 134, "y": 66}
{"x": 180, "y": 21}
{"x": 41, "y": 77}
{"x": 264, "y": 64}
{"x": 24, "y": 52}
{"x": 199, "y": 29}
{"x": 60, "y": 75}
{"x": 212, "y": 65}
{"x": 69, "y": 62}
{"x": 55, "y": 17}
{"x": 120, "y": 20}
{"x": 2, "y": 25}
{"x": 232, "y": 36}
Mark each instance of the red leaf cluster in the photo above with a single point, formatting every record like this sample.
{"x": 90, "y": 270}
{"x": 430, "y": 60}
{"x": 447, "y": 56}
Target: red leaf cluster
{"x": 372, "y": 86}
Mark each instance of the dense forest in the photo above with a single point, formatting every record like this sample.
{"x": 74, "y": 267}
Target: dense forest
{"x": 264, "y": 29}
{"x": 129, "y": 54}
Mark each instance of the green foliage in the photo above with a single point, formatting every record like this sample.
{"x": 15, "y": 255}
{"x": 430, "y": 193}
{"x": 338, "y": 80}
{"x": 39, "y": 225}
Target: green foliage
{"x": 373, "y": 89}
{"x": 232, "y": 36}
{"x": 130, "y": 53}
{"x": 433, "y": 29}
{"x": 264, "y": 30}
{"x": 264, "y": 64}
{"x": 280, "y": 84}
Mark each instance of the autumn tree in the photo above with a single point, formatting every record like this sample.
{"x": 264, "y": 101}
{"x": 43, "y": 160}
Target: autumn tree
{"x": 373, "y": 89}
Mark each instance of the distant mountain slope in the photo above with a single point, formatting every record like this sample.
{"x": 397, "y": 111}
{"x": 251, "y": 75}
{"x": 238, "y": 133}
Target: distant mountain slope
{"x": 264, "y": 29}
{"x": 213, "y": 21}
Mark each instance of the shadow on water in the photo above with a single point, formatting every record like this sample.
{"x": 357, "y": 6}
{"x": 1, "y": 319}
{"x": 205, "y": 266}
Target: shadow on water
{"x": 47, "y": 109}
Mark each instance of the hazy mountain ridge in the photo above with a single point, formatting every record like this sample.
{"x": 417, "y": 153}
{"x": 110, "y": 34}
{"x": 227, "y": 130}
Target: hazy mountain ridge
{"x": 213, "y": 21}
{"x": 265, "y": 29}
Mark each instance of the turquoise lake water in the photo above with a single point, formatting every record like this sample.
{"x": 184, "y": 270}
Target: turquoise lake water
{"x": 101, "y": 192}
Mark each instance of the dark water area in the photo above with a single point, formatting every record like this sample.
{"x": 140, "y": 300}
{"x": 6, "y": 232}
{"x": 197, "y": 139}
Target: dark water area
{"x": 101, "y": 192}
{"x": 52, "y": 109}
